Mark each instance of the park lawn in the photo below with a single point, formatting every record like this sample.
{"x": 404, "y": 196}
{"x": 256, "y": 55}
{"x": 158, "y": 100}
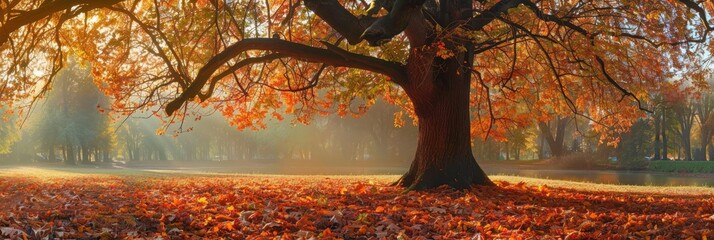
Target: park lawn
{"x": 71, "y": 203}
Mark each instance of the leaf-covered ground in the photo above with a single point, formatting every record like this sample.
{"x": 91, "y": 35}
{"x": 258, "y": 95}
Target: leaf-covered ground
{"x": 58, "y": 205}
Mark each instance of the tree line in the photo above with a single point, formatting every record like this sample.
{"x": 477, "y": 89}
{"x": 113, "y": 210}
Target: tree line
{"x": 73, "y": 125}
{"x": 678, "y": 125}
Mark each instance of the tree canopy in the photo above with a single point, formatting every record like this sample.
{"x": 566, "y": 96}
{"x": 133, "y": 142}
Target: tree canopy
{"x": 509, "y": 61}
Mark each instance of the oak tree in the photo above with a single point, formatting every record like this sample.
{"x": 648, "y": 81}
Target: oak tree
{"x": 458, "y": 67}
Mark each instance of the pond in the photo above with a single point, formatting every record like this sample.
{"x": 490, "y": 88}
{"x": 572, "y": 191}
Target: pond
{"x": 608, "y": 177}
{"x": 593, "y": 176}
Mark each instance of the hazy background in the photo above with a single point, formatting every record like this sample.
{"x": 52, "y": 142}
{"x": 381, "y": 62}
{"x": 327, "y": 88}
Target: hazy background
{"x": 72, "y": 126}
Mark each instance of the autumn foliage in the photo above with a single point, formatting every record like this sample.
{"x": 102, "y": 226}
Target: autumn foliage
{"x": 480, "y": 67}
{"x": 332, "y": 207}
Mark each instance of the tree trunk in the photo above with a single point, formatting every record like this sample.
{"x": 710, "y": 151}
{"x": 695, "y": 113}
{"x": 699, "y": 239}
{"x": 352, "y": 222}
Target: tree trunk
{"x": 441, "y": 102}
{"x": 443, "y": 153}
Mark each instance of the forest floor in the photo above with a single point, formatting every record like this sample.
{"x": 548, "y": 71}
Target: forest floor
{"x": 88, "y": 203}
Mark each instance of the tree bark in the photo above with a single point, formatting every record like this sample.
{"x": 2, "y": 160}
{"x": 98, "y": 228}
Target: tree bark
{"x": 443, "y": 154}
{"x": 441, "y": 101}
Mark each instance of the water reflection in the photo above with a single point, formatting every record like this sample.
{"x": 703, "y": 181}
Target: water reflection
{"x": 609, "y": 177}
{"x": 321, "y": 168}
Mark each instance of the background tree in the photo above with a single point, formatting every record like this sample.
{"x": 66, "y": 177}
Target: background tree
{"x": 704, "y": 111}
{"x": 554, "y": 134}
{"x": 684, "y": 115}
{"x": 634, "y": 146}
{"x": 273, "y": 57}
{"x": 9, "y": 134}
{"x": 656, "y": 115}
{"x": 72, "y": 118}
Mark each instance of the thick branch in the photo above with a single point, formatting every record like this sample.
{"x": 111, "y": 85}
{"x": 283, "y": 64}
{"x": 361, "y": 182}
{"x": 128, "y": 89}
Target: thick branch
{"x": 235, "y": 67}
{"x": 388, "y": 26}
{"x": 332, "y": 56}
{"x": 341, "y": 20}
{"x": 486, "y": 17}
{"x": 375, "y": 31}
{"x": 45, "y": 10}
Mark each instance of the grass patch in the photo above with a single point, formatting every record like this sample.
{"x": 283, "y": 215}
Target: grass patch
{"x": 38, "y": 173}
{"x": 682, "y": 166}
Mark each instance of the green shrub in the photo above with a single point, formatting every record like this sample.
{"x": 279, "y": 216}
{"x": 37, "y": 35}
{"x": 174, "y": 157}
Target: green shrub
{"x": 682, "y": 166}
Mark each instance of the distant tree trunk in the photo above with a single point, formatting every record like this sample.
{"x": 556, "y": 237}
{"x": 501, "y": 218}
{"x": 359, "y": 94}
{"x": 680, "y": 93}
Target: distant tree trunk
{"x": 555, "y": 141}
{"x": 665, "y": 156}
{"x": 382, "y": 146}
{"x": 71, "y": 157}
{"x": 131, "y": 151}
{"x": 250, "y": 153}
{"x": 541, "y": 147}
{"x": 657, "y": 141}
{"x": 705, "y": 134}
{"x": 51, "y": 154}
{"x": 687, "y": 144}
{"x": 85, "y": 155}
{"x": 685, "y": 118}
{"x": 162, "y": 155}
